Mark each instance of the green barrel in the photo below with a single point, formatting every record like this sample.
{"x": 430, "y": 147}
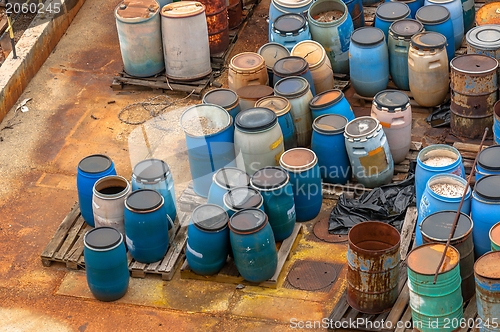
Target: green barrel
{"x": 495, "y": 237}
{"x": 434, "y": 306}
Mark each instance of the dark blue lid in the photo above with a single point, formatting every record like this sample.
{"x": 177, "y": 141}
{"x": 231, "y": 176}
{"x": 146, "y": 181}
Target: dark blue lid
{"x": 143, "y": 200}
{"x": 368, "y": 35}
{"x": 432, "y": 14}
{"x": 489, "y": 158}
{"x": 102, "y": 238}
{"x": 269, "y": 177}
{"x": 95, "y": 163}
{"x": 292, "y": 86}
{"x": 487, "y": 187}
{"x": 437, "y": 226}
{"x": 290, "y": 66}
{"x": 392, "y": 11}
{"x": 242, "y": 198}
{"x": 247, "y": 220}
{"x": 289, "y": 23}
{"x": 256, "y": 119}
{"x": 231, "y": 177}
{"x": 210, "y": 217}
{"x": 406, "y": 27}
{"x": 330, "y": 124}
{"x": 151, "y": 170}
{"x": 391, "y": 100}
{"x": 428, "y": 40}
{"x": 225, "y": 98}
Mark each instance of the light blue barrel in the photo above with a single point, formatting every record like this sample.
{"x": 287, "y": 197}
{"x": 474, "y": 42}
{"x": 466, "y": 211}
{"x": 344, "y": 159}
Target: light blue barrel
{"x": 210, "y": 143}
{"x": 488, "y": 162}
{"x": 436, "y": 18}
{"x": 290, "y": 29}
{"x": 496, "y": 122}
{"x": 400, "y": 33}
{"x": 106, "y": 265}
{"x": 456, "y": 15}
{"x": 442, "y": 192}
{"x": 139, "y": 33}
{"x": 273, "y": 183}
{"x": 436, "y": 159}
{"x": 225, "y": 179}
{"x": 242, "y": 198}
{"x": 280, "y": 7}
{"x": 281, "y": 106}
{"x": 226, "y": 98}
{"x": 91, "y": 169}
{"x": 253, "y": 245}
{"x": 331, "y": 102}
{"x": 389, "y": 12}
{"x": 495, "y": 237}
{"x": 334, "y": 35}
{"x": 435, "y": 306}
{"x": 369, "y": 61}
{"x": 369, "y": 152}
{"x": 486, "y": 274}
{"x": 207, "y": 244}
{"x": 305, "y": 178}
{"x": 155, "y": 174}
{"x": 164, "y": 3}
{"x": 146, "y": 226}
{"x": 484, "y": 39}
{"x": 355, "y": 8}
{"x": 485, "y": 211}
{"x": 272, "y": 52}
{"x": 329, "y": 146}
{"x": 414, "y": 5}
{"x": 293, "y": 66}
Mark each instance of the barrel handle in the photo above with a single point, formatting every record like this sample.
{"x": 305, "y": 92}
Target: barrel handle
{"x": 435, "y": 64}
{"x": 170, "y": 221}
{"x": 95, "y": 205}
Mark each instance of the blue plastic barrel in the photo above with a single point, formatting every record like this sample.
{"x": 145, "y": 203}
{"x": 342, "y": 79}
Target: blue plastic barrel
{"x": 273, "y": 183}
{"x": 155, "y": 174}
{"x": 91, "y": 169}
{"x": 331, "y": 102}
{"x": 146, "y": 226}
{"x": 389, "y": 12}
{"x": 210, "y": 143}
{"x": 437, "y": 18}
{"x": 226, "y": 98}
{"x": 290, "y": 29}
{"x": 485, "y": 211}
{"x": 280, "y": 7}
{"x": 207, "y": 244}
{"x": 413, "y": 4}
{"x": 488, "y": 162}
{"x": 305, "y": 178}
{"x": 355, "y": 8}
{"x": 242, "y": 198}
{"x": 486, "y": 274}
{"x": 435, "y": 306}
{"x": 106, "y": 265}
{"x": 253, "y": 245}
{"x": 442, "y": 192}
{"x": 456, "y": 15}
{"x": 496, "y": 123}
{"x": 225, "y": 179}
{"x": 329, "y": 146}
{"x": 369, "y": 61}
{"x": 293, "y": 66}
{"x": 436, "y": 159}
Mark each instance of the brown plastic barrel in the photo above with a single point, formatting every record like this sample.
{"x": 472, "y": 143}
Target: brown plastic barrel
{"x": 218, "y": 25}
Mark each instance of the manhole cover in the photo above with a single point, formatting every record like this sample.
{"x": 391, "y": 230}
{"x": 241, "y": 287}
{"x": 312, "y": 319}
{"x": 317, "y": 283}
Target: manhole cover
{"x": 311, "y": 275}
{"x": 321, "y": 232}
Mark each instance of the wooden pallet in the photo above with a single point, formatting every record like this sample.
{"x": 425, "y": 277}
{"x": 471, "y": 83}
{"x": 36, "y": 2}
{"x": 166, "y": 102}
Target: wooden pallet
{"x": 468, "y": 152}
{"x": 229, "y": 273}
{"x": 66, "y": 246}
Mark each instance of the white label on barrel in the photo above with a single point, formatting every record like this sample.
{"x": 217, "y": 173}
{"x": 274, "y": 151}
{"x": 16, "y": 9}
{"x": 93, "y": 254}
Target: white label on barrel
{"x": 129, "y": 242}
{"x": 195, "y": 253}
{"x": 291, "y": 212}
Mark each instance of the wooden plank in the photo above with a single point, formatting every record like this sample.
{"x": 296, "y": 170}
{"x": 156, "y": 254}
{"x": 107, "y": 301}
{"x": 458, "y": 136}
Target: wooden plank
{"x": 470, "y": 313}
{"x": 174, "y": 251}
{"x": 70, "y": 238}
{"x": 74, "y": 257}
{"x": 415, "y": 146}
{"x": 398, "y": 308}
{"x": 169, "y": 275}
{"x": 467, "y": 147}
{"x": 404, "y": 321}
{"x": 340, "y": 308}
{"x": 401, "y": 168}
{"x": 407, "y": 231}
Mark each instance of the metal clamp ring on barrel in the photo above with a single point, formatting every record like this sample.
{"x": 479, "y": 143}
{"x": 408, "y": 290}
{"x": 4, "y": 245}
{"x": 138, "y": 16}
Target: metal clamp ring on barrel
{"x": 397, "y": 109}
{"x": 287, "y": 34}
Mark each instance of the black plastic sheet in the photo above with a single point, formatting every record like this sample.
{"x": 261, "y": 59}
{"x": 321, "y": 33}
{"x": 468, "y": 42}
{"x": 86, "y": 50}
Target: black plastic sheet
{"x": 440, "y": 117}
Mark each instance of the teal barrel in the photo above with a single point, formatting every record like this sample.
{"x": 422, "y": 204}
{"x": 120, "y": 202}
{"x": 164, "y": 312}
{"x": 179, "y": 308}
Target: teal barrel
{"x": 495, "y": 237}
{"x": 434, "y": 307}
{"x": 106, "y": 265}
{"x": 273, "y": 183}
{"x": 207, "y": 244}
{"x": 209, "y": 138}
{"x": 331, "y": 102}
{"x": 139, "y": 33}
{"x": 242, "y": 198}
{"x": 488, "y": 162}
{"x": 487, "y": 275}
{"x": 373, "y": 266}
{"x": 225, "y": 179}
{"x": 226, "y": 98}
{"x": 253, "y": 245}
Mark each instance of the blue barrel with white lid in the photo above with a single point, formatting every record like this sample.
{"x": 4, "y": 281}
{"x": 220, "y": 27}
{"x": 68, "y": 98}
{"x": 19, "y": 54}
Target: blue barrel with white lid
{"x": 225, "y": 179}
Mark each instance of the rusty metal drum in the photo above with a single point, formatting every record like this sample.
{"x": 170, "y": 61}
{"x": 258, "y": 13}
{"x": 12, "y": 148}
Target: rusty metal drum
{"x": 373, "y": 266}
{"x": 234, "y": 13}
{"x": 247, "y": 68}
{"x": 488, "y": 14}
{"x": 487, "y": 275}
{"x": 474, "y": 92}
{"x": 217, "y": 24}
{"x": 485, "y": 40}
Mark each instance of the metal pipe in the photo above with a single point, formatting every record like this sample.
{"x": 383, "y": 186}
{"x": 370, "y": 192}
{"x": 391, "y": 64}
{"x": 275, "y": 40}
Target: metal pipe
{"x": 11, "y": 32}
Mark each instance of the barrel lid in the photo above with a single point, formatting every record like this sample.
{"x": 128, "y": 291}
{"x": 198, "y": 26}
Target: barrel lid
{"x": 272, "y": 52}
{"x": 310, "y": 50}
{"x": 290, "y": 66}
{"x": 474, "y": 64}
{"x": 298, "y": 159}
{"x": 255, "y": 92}
{"x": 242, "y": 198}
{"x": 495, "y": 234}
{"x": 279, "y": 105}
{"x": 136, "y": 10}
{"x": 231, "y": 177}
{"x": 246, "y": 61}
{"x": 437, "y": 226}
{"x": 326, "y": 98}
{"x": 292, "y": 86}
{"x": 428, "y": 40}
{"x": 330, "y": 124}
{"x": 487, "y": 187}
{"x": 269, "y": 177}
{"x": 256, "y": 119}
{"x": 368, "y": 35}
{"x": 223, "y": 97}
{"x": 440, "y": 2}
{"x": 151, "y": 170}
{"x": 406, "y": 28}
{"x": 361, "y": 127}
{"x": 488, "y": 14}
{"x": 95, "y": 163}
{"x": 293, "y": 3}
{"x": 210, "y": 217}
{"x": 144, "y": 200}
{"x": 489, "y": 158}
{"x": 392, "y": 11}
{"x": 391, "y": 101}
{"x": 425, "y": 259}
{"x": 432, "y": 14}
{"x": 487, "y": 265}
{"x": 485, "y": 37}
{"x": 248, "y": 220}
{"x": 102, "y": 238}
{"x": 289, "y": 23}
{"x": 182, "y": 9}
